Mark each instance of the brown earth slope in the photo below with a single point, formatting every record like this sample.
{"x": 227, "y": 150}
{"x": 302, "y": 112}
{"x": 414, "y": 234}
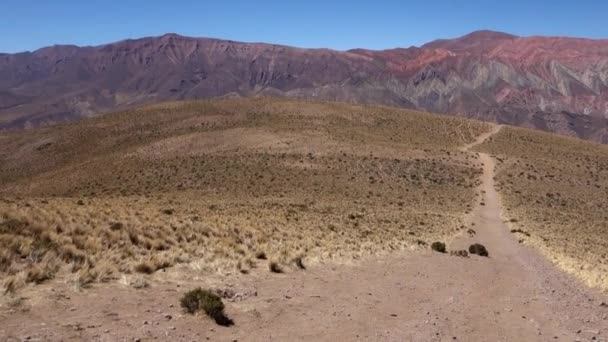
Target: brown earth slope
{"x": 550, "y": 83}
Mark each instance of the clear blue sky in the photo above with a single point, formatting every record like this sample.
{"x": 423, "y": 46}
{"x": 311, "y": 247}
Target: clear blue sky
{"x": 31, "y": 24}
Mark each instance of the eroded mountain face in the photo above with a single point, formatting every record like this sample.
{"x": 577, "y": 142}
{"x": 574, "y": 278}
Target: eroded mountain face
{"x": 554, "y": 84}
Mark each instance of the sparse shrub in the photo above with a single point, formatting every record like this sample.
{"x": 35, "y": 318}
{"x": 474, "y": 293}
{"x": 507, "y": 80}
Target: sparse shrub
{"x": 299, "y": 262}
{"x": 145, "y": 267}
{"x": 478, "y": 249}
{"x": 274, "y": 267}
{"x": 260, "y": 255}
{"x": 207, "y": 301}
{"x": 438, "y": 247}
{"x": 168, "y": 211}
{"x": 471, "y": 232}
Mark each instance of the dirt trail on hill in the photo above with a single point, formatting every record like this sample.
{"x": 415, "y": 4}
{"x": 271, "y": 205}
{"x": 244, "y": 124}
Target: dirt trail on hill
{"x": 512, "y": 295}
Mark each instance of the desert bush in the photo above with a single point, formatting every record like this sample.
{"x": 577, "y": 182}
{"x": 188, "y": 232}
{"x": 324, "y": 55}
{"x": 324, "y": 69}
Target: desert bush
{"x": 478, "y": 249}
{"x": 260, "y": 255}
{"x": 145, "y": 267}
{"x": 274, "y": 267}
{"x": 299, "y": 262}
{"x": 438, "y": 247}
{"x": 207, "y": 301}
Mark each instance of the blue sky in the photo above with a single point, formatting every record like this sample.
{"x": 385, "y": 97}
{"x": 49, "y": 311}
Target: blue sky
{"x": 28, "y": 24}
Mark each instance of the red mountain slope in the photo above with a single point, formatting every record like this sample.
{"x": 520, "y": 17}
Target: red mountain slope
{"x": 549, "y": 83}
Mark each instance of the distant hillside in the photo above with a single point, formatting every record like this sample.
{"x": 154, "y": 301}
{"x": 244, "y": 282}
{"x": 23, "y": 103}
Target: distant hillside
{"x": 549, "y": 83}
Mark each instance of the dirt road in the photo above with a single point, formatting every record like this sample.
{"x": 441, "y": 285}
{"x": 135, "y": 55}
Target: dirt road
{"x": 512, "y": 295}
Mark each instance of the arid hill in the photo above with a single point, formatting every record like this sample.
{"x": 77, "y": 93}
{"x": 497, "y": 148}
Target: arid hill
{"x": 219, "y": 183}
{"x": 549, "y": 83}
{"x": 305, "y": 220}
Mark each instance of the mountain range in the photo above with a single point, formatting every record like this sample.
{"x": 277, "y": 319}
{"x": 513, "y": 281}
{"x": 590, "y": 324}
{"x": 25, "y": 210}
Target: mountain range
{"x": 555, "y": 84}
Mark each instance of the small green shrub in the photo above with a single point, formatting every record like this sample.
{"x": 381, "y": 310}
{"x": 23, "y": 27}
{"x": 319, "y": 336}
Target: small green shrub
{"x": 438, "y": 247}
{"x": 478, "y": 249}
{"x": 207, "y": 301}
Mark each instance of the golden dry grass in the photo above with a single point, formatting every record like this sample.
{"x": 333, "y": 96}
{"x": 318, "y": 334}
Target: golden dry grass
{"x": 216, "y": 185}
{"x": 555, "y": 190}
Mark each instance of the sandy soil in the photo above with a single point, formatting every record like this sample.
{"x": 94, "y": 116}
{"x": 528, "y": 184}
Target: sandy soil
{"x": 513, "y": 295}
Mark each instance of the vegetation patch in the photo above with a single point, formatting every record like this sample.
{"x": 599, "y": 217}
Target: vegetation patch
{"x": 274, "y": 267}
{"x": 438, "y": 247}
{"x": 478, "y": 249}
{"x": 208, "y": 302}
{"x": 219, "y": 185}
